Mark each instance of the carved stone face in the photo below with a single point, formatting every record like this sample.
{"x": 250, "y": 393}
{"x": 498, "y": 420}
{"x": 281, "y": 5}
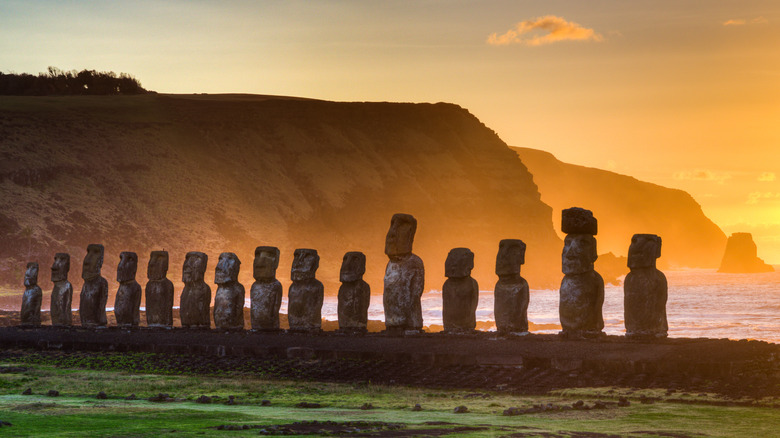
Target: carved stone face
{"x": 158, "y": 265}
{"x": 60, "y": 267}
{"x": 305, "y": 264}
{"x": 128, "y": 266}
{"x": 194, "y": 268}
{"x": 227, "y": 268}
{"x": 266, "y": 262}
{"x": 353, "y": 266}
{"x": 400, "y": 237}
{"x": 459, "y": 263}
{"x": 93, "y": 261}
{"x": 511, "y": 254}
{"x": 644, "y": 250}
{"x": 579, "y": 253}
{"x": 31, "y": 274}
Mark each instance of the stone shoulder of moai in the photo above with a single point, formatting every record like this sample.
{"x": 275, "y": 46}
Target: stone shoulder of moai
{"x": 94, "y": 292}
{"x": 32, "y": 297}
{"x": 229, "y": 299}
{"x": 266, "y": 292}
{"x": 511, "y": 295}
{"x": 195, "y": 300}
{"x": 62, "y": 293}
{"x": 128, "y": 297}
{"x": 460, "y": 292}
{"x": 404, "y": 276}
{"x": 306, "y": 293}
{"x": 159, "y": 291}
{"x": 645, "y": 289}
{"x": 354, "y": 293}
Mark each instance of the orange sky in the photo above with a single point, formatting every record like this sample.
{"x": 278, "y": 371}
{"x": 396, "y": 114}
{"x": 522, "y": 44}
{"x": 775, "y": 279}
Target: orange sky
{"x": 685, "y": 94}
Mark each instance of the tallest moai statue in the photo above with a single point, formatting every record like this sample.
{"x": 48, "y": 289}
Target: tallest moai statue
{"x": 404, "y": 276}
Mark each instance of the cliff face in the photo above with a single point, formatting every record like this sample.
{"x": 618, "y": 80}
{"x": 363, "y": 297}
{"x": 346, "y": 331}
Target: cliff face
{"x": 625, "y": 206}
{"x": 741, "y": 256}
{"x": 229, "y": 173}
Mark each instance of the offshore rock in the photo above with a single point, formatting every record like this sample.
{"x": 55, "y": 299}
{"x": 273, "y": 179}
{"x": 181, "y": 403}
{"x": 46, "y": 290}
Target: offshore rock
{"x": 229, "y": 299}
{"x": 94, "y": 292}
{"x": 195, "y": 301}
{"x": 159, "y": 292}
{"x": 511, "y": 295}
{"x": 266, "y": 292}
{"x": 128, "y": 297}
{"x": 62, "y": 293}
{"x": 404, "y": 276}
{"x": 645, "y": 289}
{"x": 354, "y": 294}
{"x": 32, "y": 297}
{"x": 741, "y": 256}
{"x": 306, "y": 293}
{"x": 460, "y": 292}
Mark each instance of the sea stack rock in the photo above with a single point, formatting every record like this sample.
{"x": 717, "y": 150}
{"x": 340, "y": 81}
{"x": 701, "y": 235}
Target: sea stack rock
{"x": 582, "y": 288}
{"x": 460, "y": 293}
{"x": 195, "y": 301}
{"x": 159, "y": 292}
{"x": 354, "y": 293}
{"x": 266, "y": 291}
{"x": 229, "y": 299}
{"x": 306, "y": 293}
{"x": 94, "y": 292}
{"x": 404, "y": 277}
{"x": 31, "y": 299}
{"x": 645, "y": 289}
{"x": 511, "y": 294}
{"x": 741, "y": 256}
{"x": 62, "y": 293}
{"x": 128, "y": 297}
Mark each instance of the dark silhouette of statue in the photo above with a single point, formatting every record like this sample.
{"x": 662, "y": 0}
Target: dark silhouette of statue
{"x": 304, "y": 309}
{"x": 128, "y": 297}
{"x": 266, "y": 292}
{"x": 354, "y": 293}
{"x": 460, "y": 293}
{"x": 62, "y": 293}
{"x": 229, "y": 299}
{"x": 31, "y": 299}
{"x": 159, "y": 292}
{"x": 94, "y": 292}
{"x": 195, "y": 301}
{"x": 511, "y": 294}
{"x": 645, "y": 289}
{"x": 404, "y": 276}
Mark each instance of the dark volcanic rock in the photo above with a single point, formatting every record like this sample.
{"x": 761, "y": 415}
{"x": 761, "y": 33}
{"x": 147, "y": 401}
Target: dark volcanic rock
{"x": 511, "y": 292}
{"x": 229, "y": 299}
{"x": 266, "y": 291}
{"x": 195, "y": 301}
{"x": 32, "y": 297}
{"x": 128, "y": 296}
{"x": 306, "y": 293}
{"x": 577, "y": 220}
{"x": 404, "y": 276}
{"x": 460, "y": 293}
{"x": 582, "y": 288}
{"x": 159, "y": 292}
{"x": 741, "y": 256}
{"x": 354, "y": 294}
{"x": 645, "y": 289}
{"x": 94, "y": 292}
{"x": 62, "y": 293}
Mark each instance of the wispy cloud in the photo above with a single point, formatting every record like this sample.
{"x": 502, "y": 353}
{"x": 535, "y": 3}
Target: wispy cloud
{"x": 767, "y": 177}
{"x": 544, "y": 30}
{"x": 702, "y": 175}
{"x": 742, "y": 22}
{"x": 755, "y": 197}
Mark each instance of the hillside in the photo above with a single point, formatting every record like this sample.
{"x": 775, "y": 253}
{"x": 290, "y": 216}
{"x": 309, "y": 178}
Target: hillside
{"x": 625, "y": 206}
{"x": 231, "y": 172}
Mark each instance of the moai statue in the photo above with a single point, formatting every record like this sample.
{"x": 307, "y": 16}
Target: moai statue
{"x": 304, "y": 309}
{"x": 645, "y": 289}
{"x": 229, "y": 299}
{"x": 460, "y": 292}
{"x": 62, "y": 294}
{"x": 354, "y": 294}
{"x": 195, "y": 302}
{"x": 266, "y": 292}
{"x": 94, "y": 292}
{"x": 159, "y": 292}
{"x": 404, "y": 277}
{"x": 31, "y": 299}
{"x": 128, "y": 297}
{"x": 582, "y": 288}
{"x": 511, "y": 293}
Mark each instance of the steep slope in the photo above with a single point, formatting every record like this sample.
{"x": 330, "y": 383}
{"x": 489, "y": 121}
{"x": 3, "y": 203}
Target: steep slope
{"x": 228, "y": 173}
{"x": 625, "y": 206}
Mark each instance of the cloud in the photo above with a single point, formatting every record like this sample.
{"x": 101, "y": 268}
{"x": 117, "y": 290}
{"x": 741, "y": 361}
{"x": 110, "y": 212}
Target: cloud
{"x": 755, "y": 197}
{"x": 702, "y": 175}
{"x": 544, "y": 30}
{"x": 767, "y": 177}
{"x": 742, "y": 22}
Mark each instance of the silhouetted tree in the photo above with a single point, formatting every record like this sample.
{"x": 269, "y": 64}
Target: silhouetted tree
{"x": 58, "y": 82}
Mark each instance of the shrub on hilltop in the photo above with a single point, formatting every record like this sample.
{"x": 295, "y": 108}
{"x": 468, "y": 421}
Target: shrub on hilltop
{"x": 64, "y": 83}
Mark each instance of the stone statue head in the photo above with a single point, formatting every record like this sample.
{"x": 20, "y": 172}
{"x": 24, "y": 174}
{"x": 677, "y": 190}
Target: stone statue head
{"x": 31, "y": 274}
{"x": 644, "y": 250}
{"x": 227, "y": 268}
{"x": 158, "y": 265}
{"x": 266, "y": 262}
{"x": 128, "y": 266}
{"x": 459, "y": 263}
{"x": 577, "y": 220}
{"x": 511, "y": 255}
{"x": 60, "y": 267}
{"x": 305, "y": 264}
{"x": 400, "y": 237}
{"x": 93, "y": 261}
{"x": 579, "y": 253}
{"x": 353, "y": 266}
{"x": 194, "y": 268}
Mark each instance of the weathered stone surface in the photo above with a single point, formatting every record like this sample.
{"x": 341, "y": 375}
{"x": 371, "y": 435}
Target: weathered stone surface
{"x": 511, "y": 295}
{"x": 577, "y": 220}
{"x": 354, "y": 293}
{"x": 159, "y": 292}
{"x": 266, "y": 292}
{"x": 94, "y": 292}
{"x": 741, "y": 256}
{"x": 582, "y": 288}
{"x": 306, "y": 292}
{"x": 128, "y": 297}
{"x": 404, "y": 276}
{"x": 229, "y": 299}
{"x": 645, "y": 289}
{"x": 195, "y": 301}
{"x": 460, "y": 293}
{"x": 62, "y": 293}
{"x": 32, "y": 297}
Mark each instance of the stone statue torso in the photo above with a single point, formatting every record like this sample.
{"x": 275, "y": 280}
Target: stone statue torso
{"x": 644, "y": 303}
{"x": 404, "y": 283}
{"x": 582, "y": 298}
{"x": 92, "y": 302}
{"x": 459, "y": 298}
{"x": 266, "y": 298}
{"x": 353, "y": 301}
{"x": 195, "y": 305}
{"x": 510, "y": 305}
{"x": 127, "y": 304}
{"x": 229, "y": 306}
{"x": 61, "y": 297}
{"x": 304, "y": 310}
{"x": 31, "y": 306}
{"x": 159, "y": 303}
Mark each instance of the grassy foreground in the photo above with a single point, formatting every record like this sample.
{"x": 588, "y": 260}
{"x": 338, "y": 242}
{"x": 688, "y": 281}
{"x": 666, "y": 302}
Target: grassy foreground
{"x": 78, "y": 412}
